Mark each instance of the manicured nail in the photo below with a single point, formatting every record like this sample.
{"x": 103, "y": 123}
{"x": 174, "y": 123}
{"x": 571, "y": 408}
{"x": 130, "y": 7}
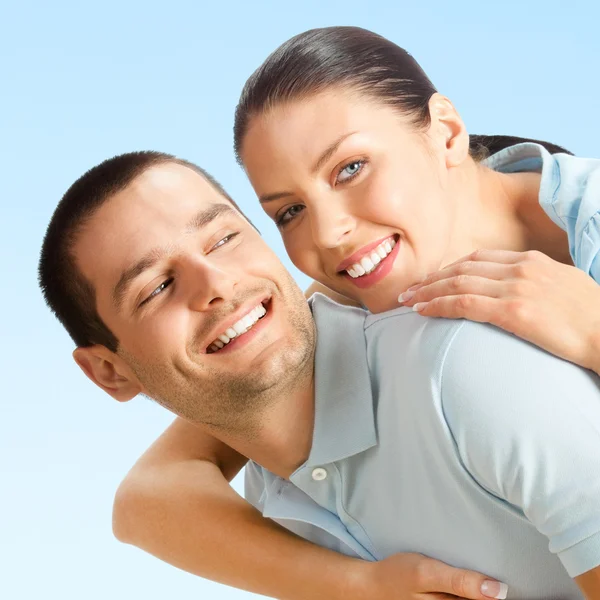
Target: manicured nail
{"x": 494, "y": 589}
{"x": 406, "y": 296}
{"x": 419, "y": 306}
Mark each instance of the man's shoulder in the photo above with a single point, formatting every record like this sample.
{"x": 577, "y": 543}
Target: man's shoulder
{"x": 324, "y": 309}
{"x": 489, "y": 375}
{"x": 404, "y": 337}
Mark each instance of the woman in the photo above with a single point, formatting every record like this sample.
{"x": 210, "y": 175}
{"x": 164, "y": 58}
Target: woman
{"x": 366, "y": 171}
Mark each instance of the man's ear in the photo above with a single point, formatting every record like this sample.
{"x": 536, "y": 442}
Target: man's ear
{"x": 108, "y": 371}
{"x": 449, "y": 130}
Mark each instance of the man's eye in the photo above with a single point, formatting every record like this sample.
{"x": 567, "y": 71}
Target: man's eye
{"x": 225, "y": 240}
{"x": 289, "y": 215}
{"x": 350, "y": 171}
{"x": 159, "y": 290}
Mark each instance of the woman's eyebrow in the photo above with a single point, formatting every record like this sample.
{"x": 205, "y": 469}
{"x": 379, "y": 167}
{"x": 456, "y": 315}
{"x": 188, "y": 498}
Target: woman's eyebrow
{"x": 323, "y": 158}
{"x": 329, "y": 151}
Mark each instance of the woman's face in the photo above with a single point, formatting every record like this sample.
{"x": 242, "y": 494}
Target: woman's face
{"x": 359, "y": 195}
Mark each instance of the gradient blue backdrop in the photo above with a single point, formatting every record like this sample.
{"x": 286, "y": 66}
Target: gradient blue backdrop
{"x": 80, "y": 82}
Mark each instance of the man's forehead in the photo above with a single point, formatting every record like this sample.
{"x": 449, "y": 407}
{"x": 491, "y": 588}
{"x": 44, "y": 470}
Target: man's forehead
{"x": 153, "y": 210}
{"x": 174, "y": 181}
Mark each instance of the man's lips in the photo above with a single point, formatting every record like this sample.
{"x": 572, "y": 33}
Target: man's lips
{"x": 359, "y": 254}
{"x": 232, "y": 319}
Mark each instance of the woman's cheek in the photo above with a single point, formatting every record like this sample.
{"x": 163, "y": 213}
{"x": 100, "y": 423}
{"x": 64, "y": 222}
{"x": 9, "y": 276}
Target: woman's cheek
{"x": 296, "y": 250}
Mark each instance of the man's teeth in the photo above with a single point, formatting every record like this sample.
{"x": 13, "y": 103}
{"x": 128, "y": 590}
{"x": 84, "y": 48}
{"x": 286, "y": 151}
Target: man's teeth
{"x": 238, "y": 328}
{"x": 368, "y": 262}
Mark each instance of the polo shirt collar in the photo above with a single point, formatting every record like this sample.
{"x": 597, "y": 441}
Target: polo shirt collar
{"x": 344, "y": 412}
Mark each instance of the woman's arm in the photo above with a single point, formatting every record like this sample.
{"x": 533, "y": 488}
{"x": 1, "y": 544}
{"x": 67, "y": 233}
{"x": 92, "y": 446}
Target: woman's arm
{"x": 176, "y": 504}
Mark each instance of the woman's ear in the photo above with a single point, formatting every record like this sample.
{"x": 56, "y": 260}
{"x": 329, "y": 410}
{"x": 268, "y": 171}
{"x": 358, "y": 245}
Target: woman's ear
{"x": 108, "y": 371}
{"x": 449, "y": 130}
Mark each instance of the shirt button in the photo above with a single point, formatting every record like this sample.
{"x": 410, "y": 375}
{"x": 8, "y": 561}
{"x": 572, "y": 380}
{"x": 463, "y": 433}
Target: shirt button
{"x": 319, "y": 474}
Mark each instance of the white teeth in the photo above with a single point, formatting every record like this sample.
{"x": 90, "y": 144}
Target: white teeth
{"x": 243, "y": 325}
{"x": 368, "y": 263}
{"x": 239, "y": 327}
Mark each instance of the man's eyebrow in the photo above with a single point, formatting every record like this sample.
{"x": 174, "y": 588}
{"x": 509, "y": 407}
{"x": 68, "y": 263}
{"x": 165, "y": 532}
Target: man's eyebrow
{"x": 323, "y": 158}
{"x": 206, "y": 216}
{"x": 200, "y": 220}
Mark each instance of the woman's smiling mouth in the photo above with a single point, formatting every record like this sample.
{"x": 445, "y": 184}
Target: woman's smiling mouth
{"x": 372, "y": 263}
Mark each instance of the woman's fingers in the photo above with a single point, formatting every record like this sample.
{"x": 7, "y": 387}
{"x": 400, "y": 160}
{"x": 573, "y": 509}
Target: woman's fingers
{"x": 445, "y": 579}
{"x": 507, "y": 257}
{"x": 493, "y": 264}
{"x": 459, "y": 271}
{"x": 482, "y": 309}
{"x": 454, "y": 286}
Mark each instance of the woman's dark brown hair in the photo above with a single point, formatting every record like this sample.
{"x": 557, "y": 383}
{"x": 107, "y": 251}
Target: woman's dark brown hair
{"x": 351, "y": 58}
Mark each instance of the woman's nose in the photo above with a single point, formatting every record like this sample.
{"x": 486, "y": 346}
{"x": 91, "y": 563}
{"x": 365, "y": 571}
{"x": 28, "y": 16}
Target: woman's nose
{"x": 330, "y": 226}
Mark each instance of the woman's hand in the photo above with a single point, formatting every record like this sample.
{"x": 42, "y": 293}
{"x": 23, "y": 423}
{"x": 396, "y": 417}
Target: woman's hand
{"x": 409, "y": 576}
{"x": 550, "y": 304}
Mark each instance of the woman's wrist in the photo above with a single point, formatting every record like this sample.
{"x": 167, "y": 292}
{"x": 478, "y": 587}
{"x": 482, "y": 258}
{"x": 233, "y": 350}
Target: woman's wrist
{"x": 356, "y": 581}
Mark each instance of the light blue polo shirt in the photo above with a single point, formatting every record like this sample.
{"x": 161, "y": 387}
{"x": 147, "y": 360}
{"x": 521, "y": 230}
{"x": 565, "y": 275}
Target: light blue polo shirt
{"x": 453, "y": 439}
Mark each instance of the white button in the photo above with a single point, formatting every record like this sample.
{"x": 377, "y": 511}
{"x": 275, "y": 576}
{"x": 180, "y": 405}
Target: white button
{"x": 319, "y": 474}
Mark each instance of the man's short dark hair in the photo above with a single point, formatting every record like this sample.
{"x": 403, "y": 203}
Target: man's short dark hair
{"x": 70, "y": 296}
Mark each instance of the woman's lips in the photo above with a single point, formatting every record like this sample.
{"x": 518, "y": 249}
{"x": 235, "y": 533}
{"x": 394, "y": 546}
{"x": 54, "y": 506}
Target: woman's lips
{"x": 380, "y": 271}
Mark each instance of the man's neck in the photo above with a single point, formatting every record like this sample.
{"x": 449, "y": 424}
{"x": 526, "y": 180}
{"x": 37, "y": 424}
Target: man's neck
{"x": 282, "y": 441}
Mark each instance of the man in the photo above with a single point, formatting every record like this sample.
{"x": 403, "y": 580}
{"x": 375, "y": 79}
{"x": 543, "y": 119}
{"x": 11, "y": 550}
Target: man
{"x": 388, "y": 433}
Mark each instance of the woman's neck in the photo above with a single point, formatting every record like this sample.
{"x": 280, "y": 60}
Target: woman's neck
{"x": 502, "y": 211}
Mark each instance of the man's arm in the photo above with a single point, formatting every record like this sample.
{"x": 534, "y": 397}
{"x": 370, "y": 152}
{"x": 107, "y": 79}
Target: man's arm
{"x": 527, "y": 427}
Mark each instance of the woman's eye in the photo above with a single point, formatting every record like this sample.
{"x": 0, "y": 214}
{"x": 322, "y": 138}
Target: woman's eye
{"x": 224, "y": 240}
{"x": 159, "y": 290}
{"x": 289, "y": 215}
{"x": 350, "y": 171}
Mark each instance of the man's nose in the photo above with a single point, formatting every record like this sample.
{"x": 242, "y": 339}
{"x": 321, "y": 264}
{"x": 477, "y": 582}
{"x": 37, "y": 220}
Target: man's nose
{"x": 212, "y": 284}
{"x": 330, "y": 225}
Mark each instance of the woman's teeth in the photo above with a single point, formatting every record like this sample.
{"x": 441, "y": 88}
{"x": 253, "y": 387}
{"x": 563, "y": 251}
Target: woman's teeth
{"x": 238, "y": 328}
{"x": 368, "y": 262}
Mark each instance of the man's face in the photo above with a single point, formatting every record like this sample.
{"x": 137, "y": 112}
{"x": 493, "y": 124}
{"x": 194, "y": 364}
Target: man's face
{"x": 177, "y": 273}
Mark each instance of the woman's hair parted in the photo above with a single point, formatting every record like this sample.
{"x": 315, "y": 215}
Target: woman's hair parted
{"x": 349, "y": 58}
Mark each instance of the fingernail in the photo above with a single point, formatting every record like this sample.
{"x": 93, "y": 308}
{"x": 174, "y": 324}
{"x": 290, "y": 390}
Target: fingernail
{"x": 406, "y": 296}
{"x": 494, "y": 589}
{"x": 419, "y": 306}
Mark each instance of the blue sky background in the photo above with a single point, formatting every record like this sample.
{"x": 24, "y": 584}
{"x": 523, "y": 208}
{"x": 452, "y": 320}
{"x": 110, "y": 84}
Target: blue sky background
{"x": 80, "y": 82}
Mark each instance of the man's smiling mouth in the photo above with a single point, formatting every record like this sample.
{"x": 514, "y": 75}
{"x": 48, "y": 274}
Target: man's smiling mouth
{"x": 245, "y": 324}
